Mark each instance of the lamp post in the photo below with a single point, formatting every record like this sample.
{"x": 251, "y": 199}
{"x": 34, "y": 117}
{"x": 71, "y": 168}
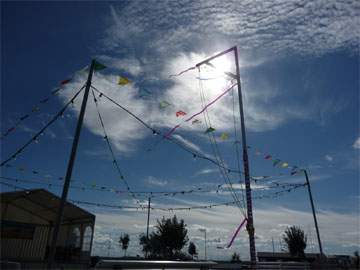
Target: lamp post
{"x": 204, "y": 231}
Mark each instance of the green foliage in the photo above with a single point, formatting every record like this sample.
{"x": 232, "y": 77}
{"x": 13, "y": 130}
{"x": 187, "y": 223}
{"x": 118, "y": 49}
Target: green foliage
{"x": 235, "y": 257}
{"x": 295, "y": 240}
{"x": 166, "y": 242}
{"x": 192, "y": 250}
{"x": 124, "y": 242}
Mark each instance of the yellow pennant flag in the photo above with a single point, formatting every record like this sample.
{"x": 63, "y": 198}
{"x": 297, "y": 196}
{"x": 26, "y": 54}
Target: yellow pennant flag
{"x": 224, "y": 136}
{"x": 285, "y": 164}
{"x": 123, "y": 81}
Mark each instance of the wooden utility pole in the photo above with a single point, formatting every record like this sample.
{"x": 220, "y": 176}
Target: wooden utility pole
{"x": 71, "y": 162}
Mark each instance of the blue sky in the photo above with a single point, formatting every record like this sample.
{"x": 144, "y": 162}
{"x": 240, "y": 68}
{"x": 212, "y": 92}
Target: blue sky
{"x": 300, "y": 77}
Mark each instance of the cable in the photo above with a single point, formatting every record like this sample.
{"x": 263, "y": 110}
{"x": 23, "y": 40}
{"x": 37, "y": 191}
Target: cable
{"x": 34, "y": 138}
{"x": 34, "y": 109}
{"x": 215, "y": 148}
{"x": 153, "y": 194}
{"x": 115, "y": 162}
{"x": 172, "y": 139}
{"x": 273, "y": 195}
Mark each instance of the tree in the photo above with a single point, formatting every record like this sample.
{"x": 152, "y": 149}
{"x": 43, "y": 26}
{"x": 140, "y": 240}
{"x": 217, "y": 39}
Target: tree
{"x": 192, "y": 250}
{"x": 124, "y": 242}
{"x": 166, "y": 242}
{"x": 235, "y": 257}
{"x": 295, "y": 240}
{"x": 356, "y": 260}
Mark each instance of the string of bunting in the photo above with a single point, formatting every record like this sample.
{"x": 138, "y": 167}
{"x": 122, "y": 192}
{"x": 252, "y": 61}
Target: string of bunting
{"x": 168, "y": 134}
{"x": 115, "y": 162}
{"x": 178, "y": 143}
{"x": 218, "y": 189}
{"x": 171, "y": 139}
{"x": 144, "y": 207}
{"x": 34, "y": 109}
{"x": 37, "y": 108}
{"x": 35, "y": 137}
{"x": 224, "y": 173}
{"x": 276, "y": 162}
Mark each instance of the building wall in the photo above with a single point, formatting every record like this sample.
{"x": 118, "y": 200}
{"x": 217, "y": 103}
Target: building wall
{"x": 26, "y": 249}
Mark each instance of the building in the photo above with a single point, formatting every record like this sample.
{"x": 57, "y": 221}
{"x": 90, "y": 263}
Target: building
{"x": 27, "y": 222}
{"x": 286, "y": 257}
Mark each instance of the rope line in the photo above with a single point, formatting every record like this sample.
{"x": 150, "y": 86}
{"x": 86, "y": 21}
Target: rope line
{"x": 115, "y": 162}
{"x": 34, "y": 138}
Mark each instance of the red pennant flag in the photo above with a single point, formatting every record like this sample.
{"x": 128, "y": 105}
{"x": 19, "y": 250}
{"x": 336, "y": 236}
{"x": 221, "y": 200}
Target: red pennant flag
{"x": 65, "y": 81}
{"x": 180, "y": 113}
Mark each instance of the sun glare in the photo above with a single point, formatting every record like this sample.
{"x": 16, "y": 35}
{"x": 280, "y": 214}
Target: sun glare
{"x": 213, "y": 75}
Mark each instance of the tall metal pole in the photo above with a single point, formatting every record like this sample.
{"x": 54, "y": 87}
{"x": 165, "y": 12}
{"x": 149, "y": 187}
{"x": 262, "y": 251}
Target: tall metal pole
{"x": 148, "y": 218}
{"x": 313, "y": 212}
{"x": 69, "y": 170}
{"x": 205, "y": 245}
{"x": 250, "y": 221}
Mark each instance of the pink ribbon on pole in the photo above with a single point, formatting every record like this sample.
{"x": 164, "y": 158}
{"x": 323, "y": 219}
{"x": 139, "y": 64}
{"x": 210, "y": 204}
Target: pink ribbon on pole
{"x": 236, "y": 232}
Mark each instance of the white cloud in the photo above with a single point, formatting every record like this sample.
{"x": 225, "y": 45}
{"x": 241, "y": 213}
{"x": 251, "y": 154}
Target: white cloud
{"x": 329, "y": 158}
{"x": 279, "y": 27}
{"x": 206, "y": 171}
{"x": 356, "y": 144}
{"x": 156, "y": 182}
{"x": 157, "y": 44}
{"x": 220, "y": 222}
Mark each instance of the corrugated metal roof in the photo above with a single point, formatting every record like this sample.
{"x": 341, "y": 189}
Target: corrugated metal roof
{"x": 44, "y": 204}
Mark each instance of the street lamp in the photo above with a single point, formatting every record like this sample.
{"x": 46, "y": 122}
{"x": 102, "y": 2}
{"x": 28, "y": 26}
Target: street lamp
{"x": 204, "y": 231}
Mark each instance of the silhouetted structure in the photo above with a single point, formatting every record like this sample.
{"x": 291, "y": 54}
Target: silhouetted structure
{"x": 27, "y": 221}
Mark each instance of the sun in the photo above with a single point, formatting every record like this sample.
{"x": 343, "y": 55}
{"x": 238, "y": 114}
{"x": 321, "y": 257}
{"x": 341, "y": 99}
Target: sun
{"x": 214, "y": 74}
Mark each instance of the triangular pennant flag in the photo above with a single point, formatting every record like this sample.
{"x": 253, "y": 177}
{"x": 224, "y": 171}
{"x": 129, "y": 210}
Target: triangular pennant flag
{"x": 65, "y": 81}
{"x": 163, "y": 104}
{"x": 144, "y": 93}
{"x": 284, "y": 164}
{"x": 224, "y": 136}
{"x": 276, "y": 161}
{"x": 123, "y": 81}
{"x": 180, "y": 113}
{"x": 98, "y": 66}
{"x": 210, "y": 129}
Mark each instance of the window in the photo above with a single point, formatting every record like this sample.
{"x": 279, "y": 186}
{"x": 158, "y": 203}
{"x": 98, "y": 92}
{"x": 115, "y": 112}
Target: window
{"x": 87, "y": 239}
{"x": 74, "y": 238}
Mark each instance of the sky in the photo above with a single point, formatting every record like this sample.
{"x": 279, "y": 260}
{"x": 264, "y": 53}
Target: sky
{"x": 299, "y": 69}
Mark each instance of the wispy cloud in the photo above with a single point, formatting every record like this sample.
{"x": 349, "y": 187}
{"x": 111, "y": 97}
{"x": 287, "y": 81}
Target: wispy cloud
{"x": 159, "y": 43}
{"x": 356, "y": 144}
{"x": 220, "y": 222}
{"x": 156, "y": 181}
{"x": 206, "y": 171}
{"x": 328, "y": 158}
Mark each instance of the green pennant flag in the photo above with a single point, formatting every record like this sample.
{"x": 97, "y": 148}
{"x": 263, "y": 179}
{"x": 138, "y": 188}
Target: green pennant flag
{"x": 98, "y": 66}
{"x": 163, "y": 104}
{"x": 276, "y": 161}
{"x": 210, "y": 129}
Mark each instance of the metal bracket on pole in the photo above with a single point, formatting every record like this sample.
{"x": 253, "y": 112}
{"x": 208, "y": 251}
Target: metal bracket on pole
{"x": 71, "y": 162}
